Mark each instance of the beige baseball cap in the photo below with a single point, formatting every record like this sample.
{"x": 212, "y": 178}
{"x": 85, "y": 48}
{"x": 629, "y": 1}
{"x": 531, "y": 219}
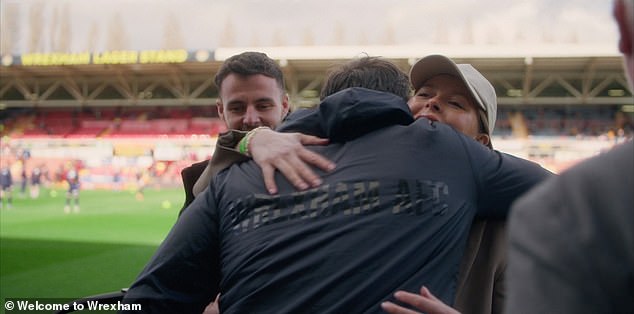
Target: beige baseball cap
{"x": 481, "y": 89}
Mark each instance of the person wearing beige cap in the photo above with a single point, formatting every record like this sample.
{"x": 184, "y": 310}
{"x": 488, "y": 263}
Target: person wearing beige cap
{"x": 459, "y": 95}
{"x": 455, "y": 94}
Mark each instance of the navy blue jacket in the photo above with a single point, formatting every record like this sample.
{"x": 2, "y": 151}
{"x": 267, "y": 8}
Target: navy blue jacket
{"x": 394, "y": 214}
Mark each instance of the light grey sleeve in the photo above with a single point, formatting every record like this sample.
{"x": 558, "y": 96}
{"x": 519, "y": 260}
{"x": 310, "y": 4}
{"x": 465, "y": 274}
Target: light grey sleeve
{"x": 572, "y": 241}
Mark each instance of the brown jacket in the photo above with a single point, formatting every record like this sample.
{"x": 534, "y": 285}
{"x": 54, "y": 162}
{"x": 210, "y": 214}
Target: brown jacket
{"x": 198, "y": 176}
{"x": 480, "y": 285}
{"x": 190, "y": 175}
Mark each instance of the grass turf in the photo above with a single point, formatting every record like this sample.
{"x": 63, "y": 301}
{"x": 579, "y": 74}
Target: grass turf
{"x": 45, "y": 253}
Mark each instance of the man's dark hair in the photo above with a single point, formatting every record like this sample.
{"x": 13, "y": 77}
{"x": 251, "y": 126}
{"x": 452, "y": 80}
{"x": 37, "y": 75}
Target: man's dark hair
{"x": 368, "y": 72}
{"x": 250, "y": 63}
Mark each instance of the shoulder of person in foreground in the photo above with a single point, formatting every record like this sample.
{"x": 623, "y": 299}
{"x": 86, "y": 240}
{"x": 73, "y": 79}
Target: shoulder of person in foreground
{"x": 578, "y": 226}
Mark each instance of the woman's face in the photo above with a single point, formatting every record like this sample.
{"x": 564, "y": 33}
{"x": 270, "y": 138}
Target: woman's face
{"x": 446, "y": 99}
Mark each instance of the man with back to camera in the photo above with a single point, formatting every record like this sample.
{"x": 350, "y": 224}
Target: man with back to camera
{"x": 461, "y": 97}
{"x": 303, "y": 251}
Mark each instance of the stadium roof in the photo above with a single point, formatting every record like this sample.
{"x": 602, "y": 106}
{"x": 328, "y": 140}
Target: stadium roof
{"x": 521, "y": 75}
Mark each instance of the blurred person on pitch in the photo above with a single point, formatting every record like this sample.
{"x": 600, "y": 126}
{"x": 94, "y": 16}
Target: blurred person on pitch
{"x": 571, "y": 243}
{"x": 24, "y": 179}
{"x": 251, "y": 94}
{"x": 316, "y": 250}
{"x": 36, "y": 182}
{"x": 143, "y": 178}
{"x": 25, "y": 155}
{"x": 460, "y": 96}
{"x": 72, "y": 195}
{"x": 6, "y": 186}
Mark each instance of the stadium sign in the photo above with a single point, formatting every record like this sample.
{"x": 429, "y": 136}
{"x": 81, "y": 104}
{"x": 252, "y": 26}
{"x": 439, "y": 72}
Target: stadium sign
{"x": 108, "y": 57}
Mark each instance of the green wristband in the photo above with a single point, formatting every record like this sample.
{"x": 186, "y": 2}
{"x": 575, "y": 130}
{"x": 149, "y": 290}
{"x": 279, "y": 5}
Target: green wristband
{"x": 243, "y": 145}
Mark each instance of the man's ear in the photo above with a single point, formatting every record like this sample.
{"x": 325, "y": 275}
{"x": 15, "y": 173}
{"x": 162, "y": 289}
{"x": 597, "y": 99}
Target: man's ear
{"x": 625, "y": 31}
{"x": 483, "y": 139}
{"x": 221, "y": 109}
{"x": 285, "y": 105}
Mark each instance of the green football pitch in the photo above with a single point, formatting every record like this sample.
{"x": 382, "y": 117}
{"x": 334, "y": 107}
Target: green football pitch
{"x": 45, "y": 253}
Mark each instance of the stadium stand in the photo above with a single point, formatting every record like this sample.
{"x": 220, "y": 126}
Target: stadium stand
{"x": 110, "y": 123}
{"x": 555, "y": 107}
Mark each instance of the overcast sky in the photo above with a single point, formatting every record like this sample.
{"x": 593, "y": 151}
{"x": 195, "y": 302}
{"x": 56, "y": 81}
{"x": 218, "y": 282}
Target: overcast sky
{"x": 101, "y": 25}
